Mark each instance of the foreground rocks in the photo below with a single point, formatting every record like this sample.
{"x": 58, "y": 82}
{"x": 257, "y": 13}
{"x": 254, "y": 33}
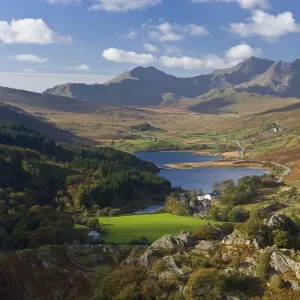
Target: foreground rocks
{"x": 171, "y": 268}
{"x": 239, "y": 238}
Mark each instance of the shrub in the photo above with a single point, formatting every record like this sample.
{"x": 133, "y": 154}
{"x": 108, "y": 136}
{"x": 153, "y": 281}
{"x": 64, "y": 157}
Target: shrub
{"x": 262, "y": 268}
{"x": 92, "y": 223}
{"x": 141, "y": 241}
{"x": 205, "y": 233}
{"x": 115, "y": 212}
{"x": 205, "y": 284}
{"x": 228, "y": 228}
{"x": 214, "y": 213}
{"x": 238, "y": 214}
{"x": 283, "y": 239}
{"x": 276, "y": 283}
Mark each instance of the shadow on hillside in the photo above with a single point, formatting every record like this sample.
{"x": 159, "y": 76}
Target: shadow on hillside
{"x": 15, "y": 114}
{"x": 281, "y": 109}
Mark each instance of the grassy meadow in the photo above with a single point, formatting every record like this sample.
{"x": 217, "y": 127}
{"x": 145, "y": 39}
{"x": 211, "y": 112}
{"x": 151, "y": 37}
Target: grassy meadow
{"x": 152, "y": 226}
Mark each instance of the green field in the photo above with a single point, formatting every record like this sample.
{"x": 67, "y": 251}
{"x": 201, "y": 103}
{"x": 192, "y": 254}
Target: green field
{"x": 153, "y": 226}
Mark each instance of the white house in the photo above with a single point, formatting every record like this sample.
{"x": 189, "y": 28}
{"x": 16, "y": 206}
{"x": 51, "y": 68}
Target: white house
{"x": 204, "y": 197}
{"x": 209, "y": 197}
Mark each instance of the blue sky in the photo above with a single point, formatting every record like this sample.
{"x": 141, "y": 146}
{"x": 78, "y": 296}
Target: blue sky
{"x": 49, "y": 42}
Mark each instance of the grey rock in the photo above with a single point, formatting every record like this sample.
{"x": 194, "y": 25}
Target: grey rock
{"x": 169, "y": 242}
{"x": 293, "y": 284}
{"x": 239, "y": 238}
{"x": 282, "y": 264}
{"x": 148, "y": 257}
{"x": 207, "y": 245}
{"x": 281, "y": 222}
{"x": 188, "y": 239}
{"x": 172, "y": 268}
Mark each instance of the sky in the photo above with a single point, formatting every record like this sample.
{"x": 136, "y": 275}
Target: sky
{"x": 44, "y": 43}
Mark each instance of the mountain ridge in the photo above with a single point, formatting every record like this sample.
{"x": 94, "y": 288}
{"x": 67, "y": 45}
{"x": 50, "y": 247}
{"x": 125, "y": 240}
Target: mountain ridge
{"x": 150, "y": 86}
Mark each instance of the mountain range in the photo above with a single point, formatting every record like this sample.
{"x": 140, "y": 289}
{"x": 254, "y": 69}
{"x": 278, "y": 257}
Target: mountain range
{"x": 149, "y": 86}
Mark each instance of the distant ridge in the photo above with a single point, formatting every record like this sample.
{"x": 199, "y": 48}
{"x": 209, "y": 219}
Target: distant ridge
{"x": 150, "y": 86}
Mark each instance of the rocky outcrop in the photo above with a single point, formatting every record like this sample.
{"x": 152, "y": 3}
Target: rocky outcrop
{"x": 144, "y": 257}
{"x": 239, "y": 238}
{"x": 187, "y": 238}
{"x": 281, "y": 222}
{"x": 207, "y": 245}
{"x": 173, "y": 268}
{"x": 169, "y": 242}
{"x": 148, "y": 257}
{"x": 283, "y": 264}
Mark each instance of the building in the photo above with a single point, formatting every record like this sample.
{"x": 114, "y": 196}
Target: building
{"x": 209, "y": 197}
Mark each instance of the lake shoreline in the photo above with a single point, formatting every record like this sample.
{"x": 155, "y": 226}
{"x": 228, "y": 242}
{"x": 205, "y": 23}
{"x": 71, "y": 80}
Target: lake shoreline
{"x": 220, "y": 164}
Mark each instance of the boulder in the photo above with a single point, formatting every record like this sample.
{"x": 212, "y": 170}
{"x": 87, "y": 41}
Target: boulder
{"x": 173, "y": 268}
{"x": 239, "y": 238}
{"x": 169, "y": 242}
{"x": 293, "y": 284}
{"x": 282, "y": 264}
{"x": 281, "y": 222}
{"x": 187, "y": 238}
{"x": 207, "y": 245}
{"x": 148, "y": 257}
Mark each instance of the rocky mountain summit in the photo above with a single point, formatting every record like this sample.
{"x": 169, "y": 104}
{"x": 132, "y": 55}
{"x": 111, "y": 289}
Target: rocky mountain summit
{"x": 150, "y": 86}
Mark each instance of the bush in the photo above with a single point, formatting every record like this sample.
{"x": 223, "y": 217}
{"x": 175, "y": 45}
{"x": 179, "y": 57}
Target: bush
{"x": 141, "y": 241}
{"x": 205, "y": 284}
{"x": 92, "y": 223}
{"x": 238, "y": 214}
{"x": 283, "y": 239}
{"x": 205, "y": 233}
{"x": 276, "y": 283}
{"x": 228, "y": 228}
{"x": 262, "y": 268}
{"x": 115, "y": 212}
{"x": 214, "y": 214}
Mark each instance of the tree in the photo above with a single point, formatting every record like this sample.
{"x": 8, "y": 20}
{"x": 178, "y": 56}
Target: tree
{"x": 227, "y": 185}
{"x": 238, "y": 214}
{"x": 214, "y": 214}
{"x": 216, "y": 187}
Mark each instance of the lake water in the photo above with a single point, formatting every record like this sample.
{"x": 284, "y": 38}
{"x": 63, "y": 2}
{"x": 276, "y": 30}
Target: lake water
{"x": 196, "y": 178}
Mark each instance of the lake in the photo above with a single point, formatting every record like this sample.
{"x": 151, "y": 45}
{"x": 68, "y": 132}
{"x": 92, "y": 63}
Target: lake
{"x": 195, "y": 178}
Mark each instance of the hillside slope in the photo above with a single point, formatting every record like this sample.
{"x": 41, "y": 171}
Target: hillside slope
{"x": 14, "y": 114}
{"x": 24, "y": 99}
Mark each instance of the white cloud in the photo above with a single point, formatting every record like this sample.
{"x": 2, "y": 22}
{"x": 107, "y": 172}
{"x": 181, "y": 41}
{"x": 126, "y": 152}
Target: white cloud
{"x": 241, "y": 52}
{"x": 268, "y": 26}
{"x": 63, "y": 1}
{"x": 132, "y": 34}
{"x": 82, "y": 67}
{"x": 122, "y": 5}
{"x": 117, "y": 55}
{"x": 167, "y": 32}
{"x": 29, "y": 70}
{"x": 245, "y": 4}
{"x": 151, "y": 48}
{"x": 232, "y": 57}
{"x": 30, "y": 31}
{"x": 29, "y": 58}
{"x": 192, "y": 63}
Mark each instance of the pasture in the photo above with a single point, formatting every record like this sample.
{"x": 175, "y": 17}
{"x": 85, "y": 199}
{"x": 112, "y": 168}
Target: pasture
{"x": 152, "y": 226}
